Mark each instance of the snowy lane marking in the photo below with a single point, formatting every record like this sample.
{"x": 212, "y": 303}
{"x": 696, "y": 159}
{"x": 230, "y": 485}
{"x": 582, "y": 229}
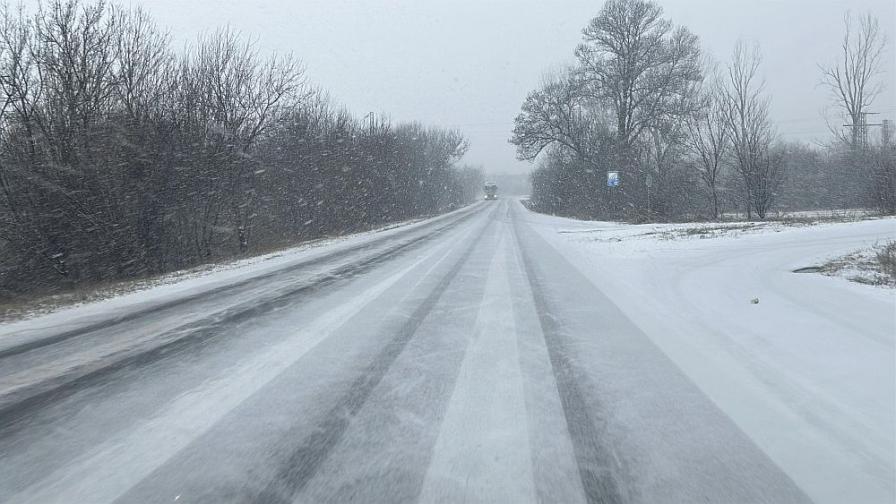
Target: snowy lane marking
{"x": 111, "y": 469}
{"x": 36, "y": 378}
{"x": 305, "y": 460}
{"x": 135, "y": 305}
{"x": 597, "y": 475}
{"x": 385, "y": 452}
{"x": 555, "y": 468}
{"x": 691, "y": 298}
{"x": 482, "y": 451}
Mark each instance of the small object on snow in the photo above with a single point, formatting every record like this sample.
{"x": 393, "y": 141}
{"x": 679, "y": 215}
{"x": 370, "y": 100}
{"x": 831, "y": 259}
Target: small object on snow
{"x": 754, "y": 301}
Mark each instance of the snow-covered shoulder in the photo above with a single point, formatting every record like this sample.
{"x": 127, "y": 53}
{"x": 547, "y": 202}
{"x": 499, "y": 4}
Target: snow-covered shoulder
{"x": 803, "y": 363}
{"x": 183, "y": 284}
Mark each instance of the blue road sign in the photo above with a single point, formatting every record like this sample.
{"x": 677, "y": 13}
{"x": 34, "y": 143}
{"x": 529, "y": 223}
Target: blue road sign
{"x": 612, "y": 179}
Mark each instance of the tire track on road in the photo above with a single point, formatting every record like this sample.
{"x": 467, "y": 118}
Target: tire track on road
{"x": 112, "y": 468}
{"x": 593, "y": 458}
{"x": 22, "y": 401}
{"x": 304, "y": 461}
{"x": 224, "y": 289}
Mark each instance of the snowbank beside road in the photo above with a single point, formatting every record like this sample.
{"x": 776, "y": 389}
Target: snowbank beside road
{"x": 203, "y": 279}
{"x": 809, "y": 372}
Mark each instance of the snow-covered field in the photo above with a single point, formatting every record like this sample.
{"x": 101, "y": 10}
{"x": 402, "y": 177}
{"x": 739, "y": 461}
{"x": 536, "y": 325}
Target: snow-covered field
{"x": 808, "y": 371}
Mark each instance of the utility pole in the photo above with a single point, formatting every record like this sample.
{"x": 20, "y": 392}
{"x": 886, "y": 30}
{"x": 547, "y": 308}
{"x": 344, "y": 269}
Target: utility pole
{"x": 370, "y": 118}
{"x": 886, "y": 132}
{"x": 860, "y": 130}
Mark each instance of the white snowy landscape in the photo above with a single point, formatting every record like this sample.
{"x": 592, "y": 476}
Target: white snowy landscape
{"x": 807, "y": 372}
{"x": 332, "y": 251}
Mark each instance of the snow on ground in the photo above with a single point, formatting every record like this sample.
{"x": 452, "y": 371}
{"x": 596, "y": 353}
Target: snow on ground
{"x": 871, "y": 265}
{"x": 840, "y": 214}
{"x": 808, "y": 372}
{"x": 186, "y": 283}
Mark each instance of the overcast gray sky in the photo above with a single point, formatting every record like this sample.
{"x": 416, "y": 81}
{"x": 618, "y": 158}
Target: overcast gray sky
{"x": 470, "y": 63}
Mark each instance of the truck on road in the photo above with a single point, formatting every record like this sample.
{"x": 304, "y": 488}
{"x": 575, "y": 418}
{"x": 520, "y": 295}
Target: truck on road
{"x": 491, "y": 191}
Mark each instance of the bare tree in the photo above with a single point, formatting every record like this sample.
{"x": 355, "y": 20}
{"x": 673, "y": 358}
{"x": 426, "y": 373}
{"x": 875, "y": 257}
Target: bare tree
{"x": 640, "y": 64}
{"x": 554, "y": 114}
{"x": 575, "y": 132}
{"x": 708, "y": 141}
{"x": 746, "y": 120}
{"x": 662, "y": 153}
{"x": 852, "y": 79}
{"x": 642, "y": 68}
{"x": 21, "y": 222}
{"x": 143, "y": 63}
{"x": 120, "y": 158}
{"x": 233, "y": 97}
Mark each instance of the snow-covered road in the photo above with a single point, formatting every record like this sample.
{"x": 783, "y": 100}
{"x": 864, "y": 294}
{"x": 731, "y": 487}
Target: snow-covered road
{"x": 490, "y": 355}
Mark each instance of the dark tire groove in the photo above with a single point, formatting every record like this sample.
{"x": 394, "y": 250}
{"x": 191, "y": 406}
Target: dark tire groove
{"x": 592, "y": 458}
{"x": 26, "y": 401}
{"x": 151, "y": 310}
{"x": 303, "y": 462}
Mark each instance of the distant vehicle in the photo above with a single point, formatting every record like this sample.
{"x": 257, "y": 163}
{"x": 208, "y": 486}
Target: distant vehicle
{"x": 491, "y": 191}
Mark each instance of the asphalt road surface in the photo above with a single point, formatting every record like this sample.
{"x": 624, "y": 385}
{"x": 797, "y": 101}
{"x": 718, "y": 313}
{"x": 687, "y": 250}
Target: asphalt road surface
{"x": 461, "y": 361}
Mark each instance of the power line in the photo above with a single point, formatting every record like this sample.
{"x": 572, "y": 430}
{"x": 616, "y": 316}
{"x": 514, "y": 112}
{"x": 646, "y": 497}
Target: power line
{"x": 860, "y": 130}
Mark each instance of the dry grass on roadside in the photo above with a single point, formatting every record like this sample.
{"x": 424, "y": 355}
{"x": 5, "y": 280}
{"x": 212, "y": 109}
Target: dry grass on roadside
{"x": 872, "y": 266}
{"x": 31, "y": 305}
{"x": 707, "y": 231}
{"x": 886, "y": 260}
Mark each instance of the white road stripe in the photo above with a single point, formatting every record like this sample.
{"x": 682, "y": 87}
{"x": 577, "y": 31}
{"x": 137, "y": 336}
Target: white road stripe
{"x": 482, "y": 453}
{"x": 107, "y": 471}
